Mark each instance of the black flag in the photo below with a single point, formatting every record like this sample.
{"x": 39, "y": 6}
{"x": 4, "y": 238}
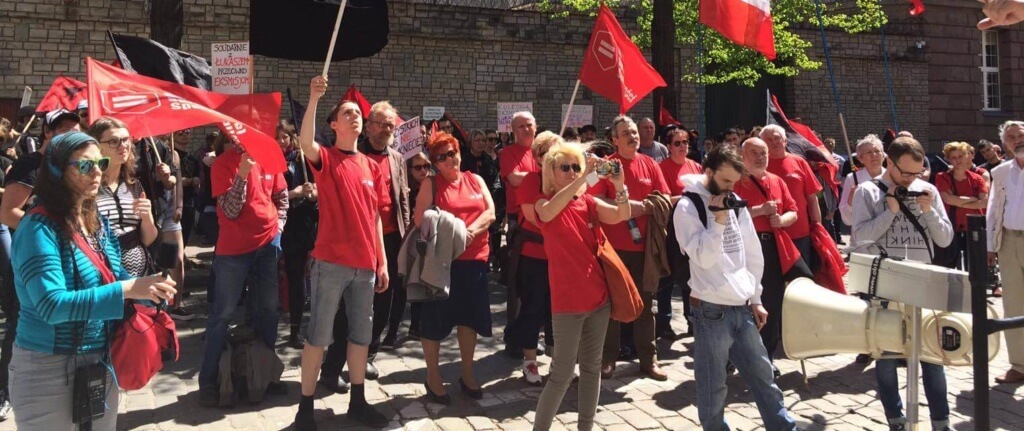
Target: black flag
{"x": 800, "y": 139}
{"x": 310, "y": 23}
{"x": 149, "y": 58}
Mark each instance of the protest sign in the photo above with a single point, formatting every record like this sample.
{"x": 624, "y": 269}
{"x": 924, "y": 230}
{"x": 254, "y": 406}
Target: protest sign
{"x": 506, "y": 110}
{"x": 432, "y": 113}
{"x": 581, "y": 115}
{"x": 26, "y": 97}
{"x": 408, "y": 139}
{"x": 232, "y": 68}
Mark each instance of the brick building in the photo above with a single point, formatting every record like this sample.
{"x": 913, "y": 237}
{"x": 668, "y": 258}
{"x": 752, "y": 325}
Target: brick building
{"x": 468, "y": 59}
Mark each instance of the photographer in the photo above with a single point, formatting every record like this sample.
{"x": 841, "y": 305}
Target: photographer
{"x": 904, "y": 215}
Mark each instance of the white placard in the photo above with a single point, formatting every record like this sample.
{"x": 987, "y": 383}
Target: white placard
{"x": 232, "y": 67}
{"x": 582, "y": 115}
{"x": 408, "y": 139}
{"x": 26, "y": 97}
{"x": 432, "y": 113}
{"x": 506, "y": 110}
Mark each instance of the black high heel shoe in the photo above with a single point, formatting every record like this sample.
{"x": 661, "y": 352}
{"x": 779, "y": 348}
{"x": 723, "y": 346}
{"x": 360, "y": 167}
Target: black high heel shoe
{"x": 435, "y": 398}
{"x": 475, "y": 394}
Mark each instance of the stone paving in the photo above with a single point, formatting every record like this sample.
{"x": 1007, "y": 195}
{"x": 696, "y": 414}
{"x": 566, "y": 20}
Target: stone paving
{"x": 838, "y": 394}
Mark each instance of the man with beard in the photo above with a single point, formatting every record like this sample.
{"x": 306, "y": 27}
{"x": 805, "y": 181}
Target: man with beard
{"x": 725, "y": 272}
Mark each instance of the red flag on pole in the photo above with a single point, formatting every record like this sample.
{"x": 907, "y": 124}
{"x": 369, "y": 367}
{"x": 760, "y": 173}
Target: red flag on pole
{"x": 150, "y": 107}
{"x": 64, "y": 93}
{"x": 665, "y": 118}
{"x": 614, "y": 67}
{"x": 745, "y": 22}
{"x": 354, "y": 95}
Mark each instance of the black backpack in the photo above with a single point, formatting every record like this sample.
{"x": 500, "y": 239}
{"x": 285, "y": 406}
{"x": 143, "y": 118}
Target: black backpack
{"x": 677, "y": 261}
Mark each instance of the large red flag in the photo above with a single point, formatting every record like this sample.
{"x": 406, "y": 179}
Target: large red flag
{"x": 745, "y": 22}
{"x": 64, "y": 93}
{"x": 354, "y": 95}
{"x": 614, "y": 67}
{"x": 150, "y": 107}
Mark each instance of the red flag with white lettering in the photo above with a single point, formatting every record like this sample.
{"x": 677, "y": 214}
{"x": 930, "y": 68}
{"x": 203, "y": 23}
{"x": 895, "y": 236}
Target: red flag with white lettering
{"x": 614, "y": 67}
{"x": 65, "y": 93}
{"x": 150, "y": 107}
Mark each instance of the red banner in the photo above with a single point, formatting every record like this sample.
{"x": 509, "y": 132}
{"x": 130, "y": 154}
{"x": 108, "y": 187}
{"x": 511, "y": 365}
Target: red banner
{"x": 64, "y": 93}
{"x": 614, "y": 67}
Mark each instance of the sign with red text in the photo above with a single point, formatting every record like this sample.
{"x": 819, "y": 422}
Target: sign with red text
{"x": 232, "y": 67}
{"x": 408, "y": 139}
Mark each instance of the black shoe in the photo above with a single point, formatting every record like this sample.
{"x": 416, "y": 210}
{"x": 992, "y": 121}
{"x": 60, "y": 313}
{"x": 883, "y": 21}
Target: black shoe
{"x": 435, "y": 398}
{"x": 390, "y": 342}
{"x": 334, "y": 383}
{"x": 277, "y": 388}
{"x": 414, "y": 334}
{"x": 729, "y": 368}
{"x": 304, "y": 421}
{"x": 209, "y": 397}
{"x": 367, "y": 415}
{"x": 864, "y": 358}
{"x": 371, "y": 372}
{"x": 295, "y": 341}
{"x": 476, "y": 394}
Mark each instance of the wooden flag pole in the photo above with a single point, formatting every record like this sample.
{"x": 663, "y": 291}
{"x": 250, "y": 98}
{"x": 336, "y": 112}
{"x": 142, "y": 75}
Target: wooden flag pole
{"x": 156, "y": 152}
{"x": 334, "y": 38}
{"x": 568, "y": 111}
{"x": 28, "y": 125}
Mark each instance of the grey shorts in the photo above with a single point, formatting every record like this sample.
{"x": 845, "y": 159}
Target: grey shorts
{"x": 166, "y": 223}
{"x": 330, "y": 284}
{"x": 41, "y": 388}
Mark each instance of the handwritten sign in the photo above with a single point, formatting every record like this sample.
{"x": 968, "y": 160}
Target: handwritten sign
{"x": 232, "y": 68}
{"x": 432, "y": 113}
{"x": 581, "y": 115}
{"x": 408, "y": 139}
{"x": 506, "y": 110}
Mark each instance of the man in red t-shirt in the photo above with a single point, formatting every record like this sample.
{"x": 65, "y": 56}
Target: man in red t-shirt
{"x": 514, "y": 162}
{"x": 803, "y": 186}
{"x": 349, "y": 261}
{"x": 642, "y": 176}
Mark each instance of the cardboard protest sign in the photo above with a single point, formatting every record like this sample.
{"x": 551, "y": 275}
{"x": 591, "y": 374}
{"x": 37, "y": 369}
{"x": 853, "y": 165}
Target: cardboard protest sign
{"x": 581, "y": 115}
{"x": 408, "y": 139}
{"x": 232, "y": 69}
{"x": 432, "y": 113}
{"x": 507, "y": 109}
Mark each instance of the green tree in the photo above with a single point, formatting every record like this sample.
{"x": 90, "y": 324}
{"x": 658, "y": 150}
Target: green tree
{"x": 725, "y": 61}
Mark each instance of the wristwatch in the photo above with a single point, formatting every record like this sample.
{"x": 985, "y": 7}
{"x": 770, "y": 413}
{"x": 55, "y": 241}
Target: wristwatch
{"x": 622, "y": 196}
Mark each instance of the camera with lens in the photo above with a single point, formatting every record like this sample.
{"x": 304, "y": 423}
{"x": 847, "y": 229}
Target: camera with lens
{"x": 607, "y": 167}
{"x": 730, "y": 202}
{"x": 902, "y": 193}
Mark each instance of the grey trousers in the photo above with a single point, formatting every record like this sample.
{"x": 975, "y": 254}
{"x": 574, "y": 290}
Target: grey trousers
{"x": 42, "y": 386}
{"x": 587, "y": 331}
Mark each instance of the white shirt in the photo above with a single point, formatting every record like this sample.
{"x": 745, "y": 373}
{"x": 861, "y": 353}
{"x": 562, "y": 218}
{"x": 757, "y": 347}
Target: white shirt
{"x": 726, "y": 263}
{"x": 845, "y": 209}
{"x": 1013, "y": 215}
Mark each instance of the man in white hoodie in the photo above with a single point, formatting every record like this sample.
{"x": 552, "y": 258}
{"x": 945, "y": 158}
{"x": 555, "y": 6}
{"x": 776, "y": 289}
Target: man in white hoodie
{"x": 725, "y": 277}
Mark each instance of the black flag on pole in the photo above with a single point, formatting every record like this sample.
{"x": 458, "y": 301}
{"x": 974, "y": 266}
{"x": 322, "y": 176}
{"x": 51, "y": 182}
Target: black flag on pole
{"x": 800, "y": 139}
{"x": 309, "y": 25}
{"x": 150, "y": 58}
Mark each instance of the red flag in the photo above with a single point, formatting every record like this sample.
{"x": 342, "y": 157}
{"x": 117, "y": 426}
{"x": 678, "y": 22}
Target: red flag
{"x": 916, "y": 8}
{"x": 150, "y": 107}
{"x": 354, "y": 95}
{"x": 664, "y": 118}
{"x": 745, "y": 22}
{"x": 64, "y": 93}
{"x": 614, "y": 67}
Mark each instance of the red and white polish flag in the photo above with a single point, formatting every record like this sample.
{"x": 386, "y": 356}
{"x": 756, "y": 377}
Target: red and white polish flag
{"x": 745, "y": 22}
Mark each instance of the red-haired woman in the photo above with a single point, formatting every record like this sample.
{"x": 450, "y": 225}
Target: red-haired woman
{"x": 467, "y": 307}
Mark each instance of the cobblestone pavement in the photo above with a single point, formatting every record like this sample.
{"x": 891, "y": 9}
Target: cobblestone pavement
{"x": 838, "y": 395}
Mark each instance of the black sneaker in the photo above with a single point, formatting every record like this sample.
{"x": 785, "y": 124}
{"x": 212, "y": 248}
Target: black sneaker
{"x": 367, "y": 415}
{"x": 181, "y": 314}
{"x": 209, "y": 397}
{"x": 334, "y": 384}
{"x": 371, "y": 371}
{"x": 304, "y": 421}
{"x": 389, "y": 342}
{"x": 296, "y": 342}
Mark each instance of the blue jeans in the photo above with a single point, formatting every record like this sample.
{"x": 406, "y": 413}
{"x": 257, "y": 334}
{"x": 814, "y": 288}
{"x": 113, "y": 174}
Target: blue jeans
{"x": 260, "y": 268}
{"x": 729, "y": 333}
{"x": 934, "y": 378}
{"x": 663, "y": 319}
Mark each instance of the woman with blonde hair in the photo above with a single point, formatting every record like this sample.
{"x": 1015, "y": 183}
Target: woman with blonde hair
{"x": 580, "y": 307}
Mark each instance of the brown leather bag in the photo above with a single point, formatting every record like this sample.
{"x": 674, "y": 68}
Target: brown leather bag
{"x": 626, "y": 301}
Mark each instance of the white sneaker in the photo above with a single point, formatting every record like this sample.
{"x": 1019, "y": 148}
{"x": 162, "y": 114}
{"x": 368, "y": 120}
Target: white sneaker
{"x": 531, "y": 373}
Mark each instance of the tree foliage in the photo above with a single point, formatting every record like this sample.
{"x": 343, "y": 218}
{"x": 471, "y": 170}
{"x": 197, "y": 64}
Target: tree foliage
{"x": 724, "y": 61}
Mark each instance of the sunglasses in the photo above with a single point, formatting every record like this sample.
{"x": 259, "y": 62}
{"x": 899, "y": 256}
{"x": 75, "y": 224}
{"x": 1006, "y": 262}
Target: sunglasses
{"x": 445, "y": 156}
{"x": 680, "y": 143}
{"x": 117, "y": 142}
{"x": 85, "y": 166}
{"x": 575, "y": 167}
{"x": 420, "y": 167}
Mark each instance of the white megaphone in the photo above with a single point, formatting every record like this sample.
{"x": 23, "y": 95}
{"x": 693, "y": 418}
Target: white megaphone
{"x": 818, "y": 322}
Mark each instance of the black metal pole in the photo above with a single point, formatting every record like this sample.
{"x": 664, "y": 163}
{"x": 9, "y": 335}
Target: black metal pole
{"x": 977, "y": 258}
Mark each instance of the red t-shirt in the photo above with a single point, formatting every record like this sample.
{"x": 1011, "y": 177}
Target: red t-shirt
{"x": 798, "y": 176}
{"x": 529, "y": 193}
{"x": 256, "y": 224}
{"x": 576, "y": 277}
{"x": 387, "y": 213}
{"x": 674, "y": 172}
{"x": 642, "y": 176}
{"x": 515, "y": 158}
{"x": 464, "y": 198}
{"x": 973, "y": 185}
{"x": 351, "y": 192}
{"x": 777, "y": 191}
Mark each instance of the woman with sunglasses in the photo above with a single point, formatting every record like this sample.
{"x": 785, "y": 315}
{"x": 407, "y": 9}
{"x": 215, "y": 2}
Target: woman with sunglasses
{"x": 71, "y": 283}
{"x": 121, "y": 198}
{"x": 678, "y": 165}
{"x": 467, "y": 307}
{"x": 579, "y": 294}
{"x": 419, "y": 170}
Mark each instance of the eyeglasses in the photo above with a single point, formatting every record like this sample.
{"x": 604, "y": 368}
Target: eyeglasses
{"x": 906, "y": 174}
{"x": 117, "y": 142}
{"x": 679, "y": 143}
{"x": 85, "y": 166}
{"x": 575, "y": 167}
{"x": 420, "y": 167}
{"x": 384, "y": 124}
{"x": 445, "y": 156}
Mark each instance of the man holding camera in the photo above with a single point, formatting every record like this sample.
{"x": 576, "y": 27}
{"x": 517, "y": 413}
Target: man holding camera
{"x": 725, "y": 277}
{"x": 903, "y": 215}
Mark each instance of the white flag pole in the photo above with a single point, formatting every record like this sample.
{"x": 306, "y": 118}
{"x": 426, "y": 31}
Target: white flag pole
{"x": 334, "y": 38}
{"x": 568, "y": 111}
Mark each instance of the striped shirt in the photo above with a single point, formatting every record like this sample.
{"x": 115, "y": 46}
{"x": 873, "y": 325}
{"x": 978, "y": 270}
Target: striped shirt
{"x": 117, "y": 207}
